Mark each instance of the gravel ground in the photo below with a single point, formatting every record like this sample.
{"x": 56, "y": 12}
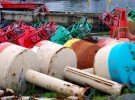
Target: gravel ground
{"x": 123, "y": 97}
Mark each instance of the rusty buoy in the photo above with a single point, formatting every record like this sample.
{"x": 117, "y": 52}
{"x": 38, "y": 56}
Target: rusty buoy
{"x": 85, "y": 52}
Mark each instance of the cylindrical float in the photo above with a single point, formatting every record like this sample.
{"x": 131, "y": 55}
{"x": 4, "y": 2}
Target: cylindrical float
{"x": 55, "y": 84}
{"x": 54, "y": 58}
{"x": 85, "y": 52}
{"x": 117, "y": 62}
{"x": 14, "y": 61}
{"x": 87, "y": 79}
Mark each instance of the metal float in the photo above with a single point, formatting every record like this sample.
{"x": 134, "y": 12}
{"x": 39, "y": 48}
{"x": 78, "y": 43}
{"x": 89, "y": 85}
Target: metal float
{"x": 18, "y": 64}
{"x": 14, "y": 61}
{"x": 116, "y": 62}
{"x": 85, "y": 52}
{"x": 87, "y": 79}
{"x": 54, "y": 58}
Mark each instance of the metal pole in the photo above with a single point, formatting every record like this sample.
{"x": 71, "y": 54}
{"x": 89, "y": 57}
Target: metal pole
{"x": 56, "y": 85}
{"x": 87, "y": 79}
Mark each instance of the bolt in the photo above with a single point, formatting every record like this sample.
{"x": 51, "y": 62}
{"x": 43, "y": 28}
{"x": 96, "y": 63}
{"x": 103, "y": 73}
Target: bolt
{"x": 127, "y": 68}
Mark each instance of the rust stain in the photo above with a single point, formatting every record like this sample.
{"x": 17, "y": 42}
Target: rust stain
{"x": 67, "y": 85}
{"x": 51, "y": 61}
{"x": 85, "y": 52}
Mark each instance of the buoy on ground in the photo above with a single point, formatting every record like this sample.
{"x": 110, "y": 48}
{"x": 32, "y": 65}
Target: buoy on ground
{"x": 54, "y": 58}
{"x": 85, "y": 52}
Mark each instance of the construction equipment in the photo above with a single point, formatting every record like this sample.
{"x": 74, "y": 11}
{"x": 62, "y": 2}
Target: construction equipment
{"x": 27, "y": 36}
{"x": 118, "y": 24}
{"x": 78, "y": 30}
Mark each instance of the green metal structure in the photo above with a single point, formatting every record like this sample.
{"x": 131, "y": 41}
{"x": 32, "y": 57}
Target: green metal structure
{"x": 131, "y": 14}
{"x": 78, "y": 30}
{"x": 36, "y": 25}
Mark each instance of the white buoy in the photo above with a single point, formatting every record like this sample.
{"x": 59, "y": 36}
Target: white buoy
{"x": 14, "y": 61}
{"x": 54, "y": 58}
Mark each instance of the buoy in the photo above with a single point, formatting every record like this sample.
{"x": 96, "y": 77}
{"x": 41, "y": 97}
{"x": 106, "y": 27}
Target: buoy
{"x": 14, "y": 61}
{"x": 54, "y": 58}
{"x": 116, "y": 62}
{"x": 85, "y": 52}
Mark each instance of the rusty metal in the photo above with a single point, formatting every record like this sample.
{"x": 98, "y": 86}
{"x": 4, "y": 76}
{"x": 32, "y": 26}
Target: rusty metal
{"x": 87, "y": 79}
{"x": 85, "y": 52}
{"x": 55, "y": 84}
{"x": 131, "y": 26}
{"x": 54, "y": 58}
{"x": 6, "y": 92}
{"x": 24, "y": 98}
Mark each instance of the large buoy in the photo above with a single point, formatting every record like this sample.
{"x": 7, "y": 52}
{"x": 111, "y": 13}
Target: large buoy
{"x": 85, "y": 52}
{"x": 54, "y": 58}
{"x": 14, "y": 61}
{"x": 116, "y": 62}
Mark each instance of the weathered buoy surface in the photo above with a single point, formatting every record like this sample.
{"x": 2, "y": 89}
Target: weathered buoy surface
{"x": 54, "y": 58}
{"x": 57, "y": 85}
{"x": 14, "y": 62}
{"x": 85, "y": 52}
{"x": 116, "y": 62}
{"x": 110, "y": 41}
